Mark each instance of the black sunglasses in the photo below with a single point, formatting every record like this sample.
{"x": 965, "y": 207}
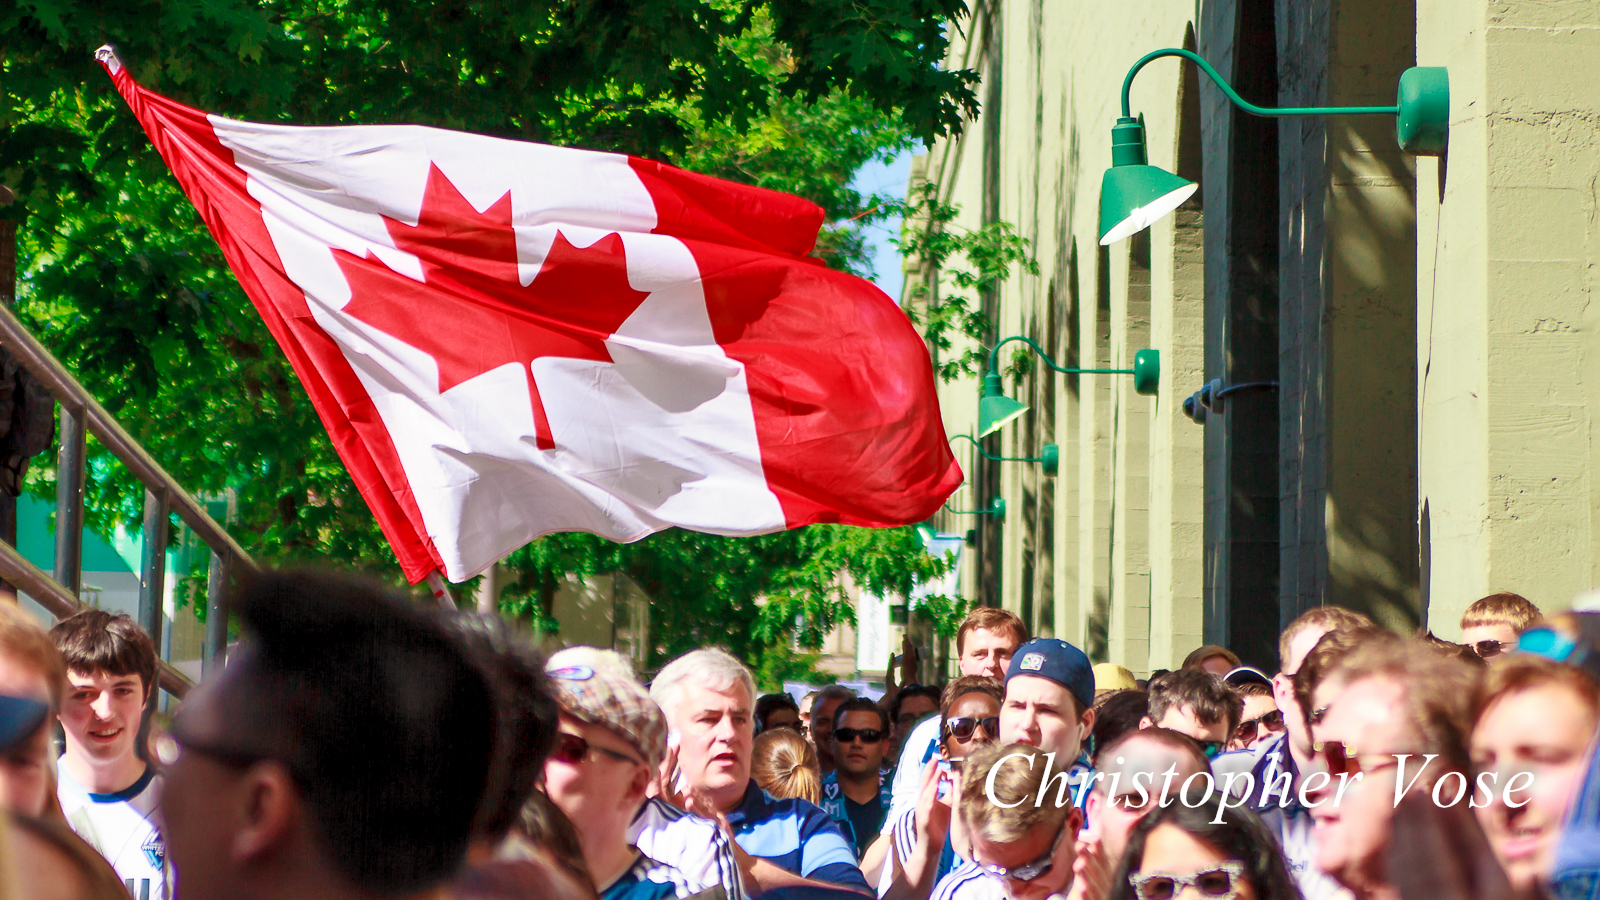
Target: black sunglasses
{"x": 1249, "y": 728}
{"x": 1211, "y": 748}
{"x": 867, "y": 735}
{"x": 1486, "y": 649}
{"x": 963, "y": 727}
{"x": 571, "y": 748}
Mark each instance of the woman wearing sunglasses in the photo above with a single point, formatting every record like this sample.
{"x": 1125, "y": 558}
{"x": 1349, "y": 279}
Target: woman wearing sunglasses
{"x": 921, "y": 854}
{"x": 1209, "y": 852}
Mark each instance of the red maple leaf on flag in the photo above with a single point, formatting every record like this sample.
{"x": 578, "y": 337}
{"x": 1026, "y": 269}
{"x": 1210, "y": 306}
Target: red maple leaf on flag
{"x": 471, "y": 314}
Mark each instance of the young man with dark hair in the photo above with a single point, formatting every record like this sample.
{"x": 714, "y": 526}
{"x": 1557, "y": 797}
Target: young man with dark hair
{"x": 107, "y": 789}
{"x": 343, "y": 753}
{"x": 1196, "y": 703}
{"x": 31, "y": 672}
{"x": 1490, "y": 626}
{"x": 855, "y": 793}
{"x": 1260, "y": 719}
{"x": 778, "y": 711}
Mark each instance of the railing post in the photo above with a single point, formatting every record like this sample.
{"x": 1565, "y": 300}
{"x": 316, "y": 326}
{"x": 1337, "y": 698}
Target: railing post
{"x": 153, "y": 572}
{"x": 69, "y": 500}
{"x": 216, "y": 616}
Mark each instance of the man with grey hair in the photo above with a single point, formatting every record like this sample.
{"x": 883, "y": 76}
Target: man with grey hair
{"x": 709, "y": 699}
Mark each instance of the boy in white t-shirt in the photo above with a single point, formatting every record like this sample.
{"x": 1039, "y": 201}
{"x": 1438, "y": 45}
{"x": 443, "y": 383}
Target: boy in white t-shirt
{"x": 107, "y": 790}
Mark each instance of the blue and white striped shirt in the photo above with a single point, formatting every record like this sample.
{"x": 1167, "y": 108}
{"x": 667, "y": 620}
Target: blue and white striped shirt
{"x": 695, "y": 848}
{"x": 796, "y": 836}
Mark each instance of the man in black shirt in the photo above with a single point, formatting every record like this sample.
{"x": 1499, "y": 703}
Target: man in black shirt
{"x": 855, "y": 793}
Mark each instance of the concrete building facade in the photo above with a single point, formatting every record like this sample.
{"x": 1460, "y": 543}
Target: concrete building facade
{"x": 1419, "y": 328}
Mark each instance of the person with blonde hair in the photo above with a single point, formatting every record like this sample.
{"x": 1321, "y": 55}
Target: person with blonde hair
{"x": 1024, "y": 843}
{"x": 784, "y": 764}
{"x": 1490, "y": 625}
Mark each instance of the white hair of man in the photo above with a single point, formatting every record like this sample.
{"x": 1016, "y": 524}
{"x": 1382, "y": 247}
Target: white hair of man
{"x": 593, "y": 657}
{"x": 708, "y": 667}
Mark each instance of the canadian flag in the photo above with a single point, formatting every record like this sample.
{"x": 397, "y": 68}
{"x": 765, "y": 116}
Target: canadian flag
{"x": 507, "y": 339}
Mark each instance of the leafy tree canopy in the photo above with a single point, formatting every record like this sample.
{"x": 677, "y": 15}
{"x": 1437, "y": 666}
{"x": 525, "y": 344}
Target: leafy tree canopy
{"x": 121, "y": 280}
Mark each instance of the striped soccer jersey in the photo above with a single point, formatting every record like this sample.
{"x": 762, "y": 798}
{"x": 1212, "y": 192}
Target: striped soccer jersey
{"x": 693, "y": 847}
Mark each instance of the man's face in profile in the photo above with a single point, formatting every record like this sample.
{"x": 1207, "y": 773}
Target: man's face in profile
{"x": 203, "y": 811}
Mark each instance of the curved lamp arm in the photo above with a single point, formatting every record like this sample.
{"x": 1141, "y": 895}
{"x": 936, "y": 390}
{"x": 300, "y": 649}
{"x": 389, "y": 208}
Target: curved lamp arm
{"x": 1247, "y": 106}
{"x": 997, "y": 508}
{"x": 994, "y": 361}
{"x": 985, "y": 454}
{"x": 1049, "y": 457}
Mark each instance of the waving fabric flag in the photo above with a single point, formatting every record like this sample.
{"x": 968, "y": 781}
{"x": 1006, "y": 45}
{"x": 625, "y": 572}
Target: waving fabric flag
{"x": 507, "y": 339}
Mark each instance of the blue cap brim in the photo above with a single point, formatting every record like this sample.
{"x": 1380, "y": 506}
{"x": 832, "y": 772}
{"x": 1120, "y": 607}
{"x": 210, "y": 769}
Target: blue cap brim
{"x": 19, "y": 719}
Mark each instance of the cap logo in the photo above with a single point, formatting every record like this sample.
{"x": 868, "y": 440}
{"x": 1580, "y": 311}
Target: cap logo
{"x": 572, "y": 673}
{"x": 1031, "y": 662}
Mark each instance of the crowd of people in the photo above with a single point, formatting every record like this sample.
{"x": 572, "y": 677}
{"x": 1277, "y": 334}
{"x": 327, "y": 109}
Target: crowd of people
{"x": 357, "y": 745}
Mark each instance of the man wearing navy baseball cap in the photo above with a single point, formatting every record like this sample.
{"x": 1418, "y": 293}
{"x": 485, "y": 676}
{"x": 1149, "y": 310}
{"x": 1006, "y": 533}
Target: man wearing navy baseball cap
{"x": 1050, "y": 705}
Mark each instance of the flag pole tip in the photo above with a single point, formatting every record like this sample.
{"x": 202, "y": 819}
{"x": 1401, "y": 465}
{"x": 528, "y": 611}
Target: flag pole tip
{"x": 107, "y": 55}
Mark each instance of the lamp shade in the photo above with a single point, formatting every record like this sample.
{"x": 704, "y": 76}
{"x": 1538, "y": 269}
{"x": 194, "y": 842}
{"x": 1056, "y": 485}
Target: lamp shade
{"x": 1134, "y": 197}
{"x": 996, "y": 409}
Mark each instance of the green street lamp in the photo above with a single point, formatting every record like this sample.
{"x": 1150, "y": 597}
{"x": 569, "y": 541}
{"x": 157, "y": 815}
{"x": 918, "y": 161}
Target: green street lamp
{"x": 1135, "y": 195}
{"x": 1049, "y": 457}
{"x": 996, "y": 409}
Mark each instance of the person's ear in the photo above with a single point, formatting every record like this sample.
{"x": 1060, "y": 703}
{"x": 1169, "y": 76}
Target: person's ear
{"x": 1283, "y": 691}
{"x": 269, "y": 811}
{"x": 1086, "y": 721}
{"x": 1146, "y": 723}
{"x": 1075, "y": 823}
{"x": 639, "y": 788}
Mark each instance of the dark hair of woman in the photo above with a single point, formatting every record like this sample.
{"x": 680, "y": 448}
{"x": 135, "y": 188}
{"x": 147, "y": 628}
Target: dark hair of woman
{"x": 1237, "y": 834}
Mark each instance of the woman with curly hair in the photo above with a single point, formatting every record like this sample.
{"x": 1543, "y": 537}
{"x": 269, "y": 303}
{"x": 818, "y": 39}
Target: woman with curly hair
{"x": 1209, "y": 851}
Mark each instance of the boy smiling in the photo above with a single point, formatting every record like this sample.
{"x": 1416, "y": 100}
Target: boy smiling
{"x": 107, "y": 790}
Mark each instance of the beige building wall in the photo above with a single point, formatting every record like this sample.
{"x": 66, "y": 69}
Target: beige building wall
{"x": 1508, "y": 246}
{"x": 1436, "y": 347}
{"x": 1106, "y": 553}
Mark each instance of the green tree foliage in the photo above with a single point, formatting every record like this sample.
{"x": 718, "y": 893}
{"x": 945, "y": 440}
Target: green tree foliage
{"x": 121, "y": 280}
{"x": 958, "y": 268}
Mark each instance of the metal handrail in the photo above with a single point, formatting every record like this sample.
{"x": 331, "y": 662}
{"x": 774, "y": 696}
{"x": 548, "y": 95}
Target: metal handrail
{"x": 163, "y": 495}
{"x": 48, "y": 593}
{"x": 14, "y": 336}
